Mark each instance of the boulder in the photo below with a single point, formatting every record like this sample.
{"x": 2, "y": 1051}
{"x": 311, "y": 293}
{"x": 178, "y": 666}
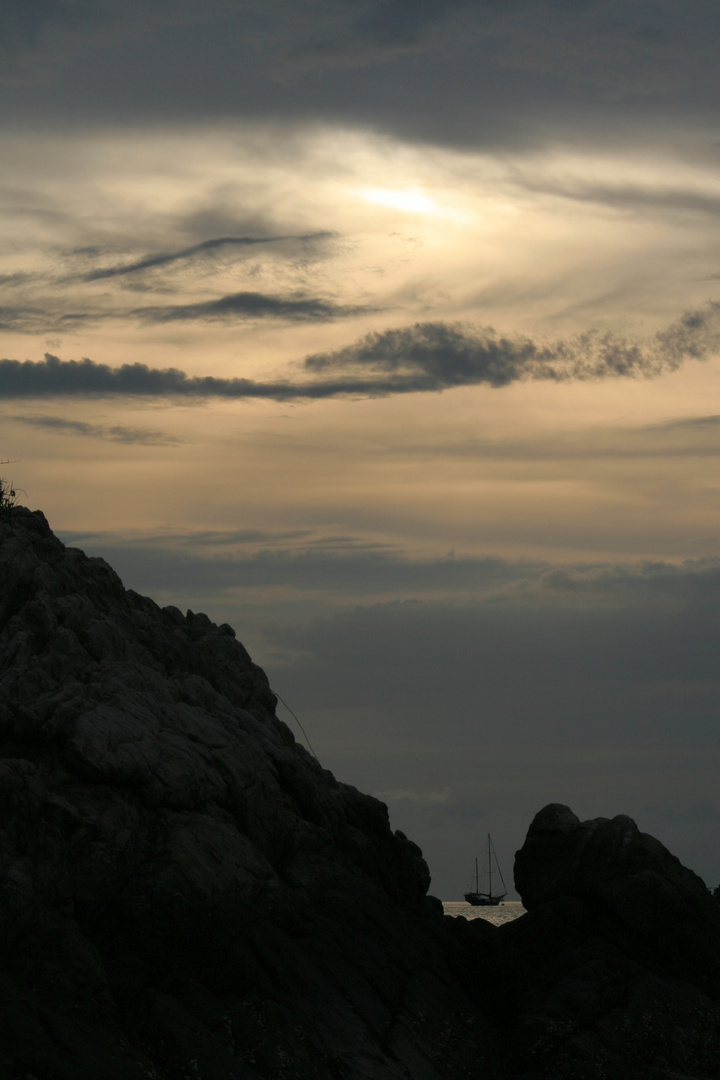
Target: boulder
{"x": 636, "y": 890}
{"x": 614, "y": 972}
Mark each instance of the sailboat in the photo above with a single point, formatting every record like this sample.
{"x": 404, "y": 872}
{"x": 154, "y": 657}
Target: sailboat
{"x": 487, "y": 899}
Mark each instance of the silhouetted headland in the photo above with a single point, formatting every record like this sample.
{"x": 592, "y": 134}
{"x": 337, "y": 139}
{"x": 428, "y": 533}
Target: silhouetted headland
{"x": 185, "y": 892}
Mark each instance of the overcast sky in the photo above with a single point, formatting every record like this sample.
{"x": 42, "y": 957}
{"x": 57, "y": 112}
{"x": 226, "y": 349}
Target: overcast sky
{"x": 388, "y": 331}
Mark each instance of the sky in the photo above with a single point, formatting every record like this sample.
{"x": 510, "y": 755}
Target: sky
{"x": 388, "y": 331}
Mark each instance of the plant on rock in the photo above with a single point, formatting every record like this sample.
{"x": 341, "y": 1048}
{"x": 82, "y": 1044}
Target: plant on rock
{"x": 7, "y": 496}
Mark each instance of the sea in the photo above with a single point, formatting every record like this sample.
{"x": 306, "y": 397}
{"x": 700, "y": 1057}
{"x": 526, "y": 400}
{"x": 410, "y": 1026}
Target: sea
{"x": 506, "y": 910}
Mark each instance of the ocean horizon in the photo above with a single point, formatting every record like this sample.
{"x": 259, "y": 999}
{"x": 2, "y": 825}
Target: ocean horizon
{"x": 506, "y": 911}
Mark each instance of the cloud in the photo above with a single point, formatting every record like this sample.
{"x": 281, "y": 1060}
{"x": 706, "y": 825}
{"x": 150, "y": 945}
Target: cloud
{"x": 629, "y": 196}
{"x": 55, "y": 377}
{"x": 490, "y": 73}
{"x": 402, "y": 22}
{"x": 694, "y": 436}
{"x": 22, "y": 26}
{"x": 647, "y": 626}
{"x": 349, "y": 568}
{"x": 241, "y": 305}
{"x": 437, "y": 356}
{"x": 692, "y": 423}
{"x": 249, "y": 305}
{"x": 8, "y": 281}
{"x": 31, "y": 320}
{"x": 151, "y": 262}
{"x": 299, "y": 564}
{"x": 426, "y": 357}
{"x": 379, "y": 32}
{"x": 40, "y": 38}
{"x": 115, "y": 433}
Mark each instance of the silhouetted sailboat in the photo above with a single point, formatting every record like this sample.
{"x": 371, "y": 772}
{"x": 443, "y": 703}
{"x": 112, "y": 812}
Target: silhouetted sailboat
{"x": 487, "y": 899}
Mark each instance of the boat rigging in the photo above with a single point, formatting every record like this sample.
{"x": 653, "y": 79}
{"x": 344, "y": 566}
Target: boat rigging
{"x": 487, "y": 899}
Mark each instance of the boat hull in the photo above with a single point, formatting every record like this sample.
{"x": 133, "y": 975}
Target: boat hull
{"x": 480, "y": 900}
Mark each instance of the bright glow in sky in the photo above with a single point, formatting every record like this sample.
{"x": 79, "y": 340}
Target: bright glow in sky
{"x": 455, "y": 279}
{"x": 409, "y": 201}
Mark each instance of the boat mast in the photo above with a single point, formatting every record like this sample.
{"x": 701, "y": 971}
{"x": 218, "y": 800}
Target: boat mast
{"x": 502, "y": 879}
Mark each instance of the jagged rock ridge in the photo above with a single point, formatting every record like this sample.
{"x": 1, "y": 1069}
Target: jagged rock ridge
{"x": 180, "y": 880}
{"x": 185, "y": 894}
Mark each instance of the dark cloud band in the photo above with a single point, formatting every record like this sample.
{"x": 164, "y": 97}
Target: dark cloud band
{"x": 437, "y": 356}
{"x": 241, "y": 305}
{"x": 248, "y": 305}
{"x": 420, "y": 358}
{"x": 151, "y": 262}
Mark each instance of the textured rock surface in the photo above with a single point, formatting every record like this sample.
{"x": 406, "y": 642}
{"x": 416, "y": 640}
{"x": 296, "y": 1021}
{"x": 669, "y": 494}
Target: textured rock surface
{"x": 185, "y": 894}
{"x": 640, "y": 894}
{"x": 615, "y": 970}
{"x": 184, "y": 891}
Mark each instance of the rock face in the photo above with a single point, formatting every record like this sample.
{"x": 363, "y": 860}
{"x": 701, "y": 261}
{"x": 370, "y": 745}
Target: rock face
{"x": 185, "y": 894}
{"x": 184, "y": 891}
{"x": 637, "y": 890}
{"x": 615, "y": 970}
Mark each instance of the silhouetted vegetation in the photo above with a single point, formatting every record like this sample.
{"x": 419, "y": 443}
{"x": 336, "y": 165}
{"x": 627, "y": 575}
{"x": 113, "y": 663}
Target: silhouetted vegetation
{"x": 7, "y": 496}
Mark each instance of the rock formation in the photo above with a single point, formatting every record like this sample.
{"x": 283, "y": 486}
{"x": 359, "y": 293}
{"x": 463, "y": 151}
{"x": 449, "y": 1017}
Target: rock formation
{"x": 615, "y": 970}
{"x": 184, "y": 891}
{"x": 185, "y": 894}
{"x": 638, "y": 893}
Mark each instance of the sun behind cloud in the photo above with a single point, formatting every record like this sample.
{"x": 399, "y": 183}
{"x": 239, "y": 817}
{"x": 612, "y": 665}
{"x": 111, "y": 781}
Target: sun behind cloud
{"x": 409, "y": 200}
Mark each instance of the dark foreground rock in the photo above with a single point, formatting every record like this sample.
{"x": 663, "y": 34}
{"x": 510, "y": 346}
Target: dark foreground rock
{"x": 185, "y": 893}
{"x": 615, "y": 970}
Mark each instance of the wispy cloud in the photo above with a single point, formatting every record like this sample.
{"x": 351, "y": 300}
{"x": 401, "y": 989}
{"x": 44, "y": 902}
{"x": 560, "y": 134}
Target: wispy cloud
{"x": 630, "y": 196}
{"x": 151, "y": 262}
{"x": 217, "y": 562}
{"x": 35, "y": 320}
{"x": 249, "y": 305}
{"x": 437, "y": 356}
{"x": 689, "y": 423}
{"x": 114, "y": 433}
{"x": 9, "y": 281}
{"x": 241, "y": 305}
{"x": 421, "y": 358}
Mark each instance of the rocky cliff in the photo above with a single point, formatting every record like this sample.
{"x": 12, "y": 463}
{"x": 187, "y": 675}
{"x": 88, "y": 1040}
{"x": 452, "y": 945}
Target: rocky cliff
{"x": 184, "y": 891}
{"x": 185, "y": 894}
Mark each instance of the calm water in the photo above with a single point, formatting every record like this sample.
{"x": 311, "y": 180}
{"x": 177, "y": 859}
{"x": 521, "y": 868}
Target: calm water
{"x": 504, "y": 912}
